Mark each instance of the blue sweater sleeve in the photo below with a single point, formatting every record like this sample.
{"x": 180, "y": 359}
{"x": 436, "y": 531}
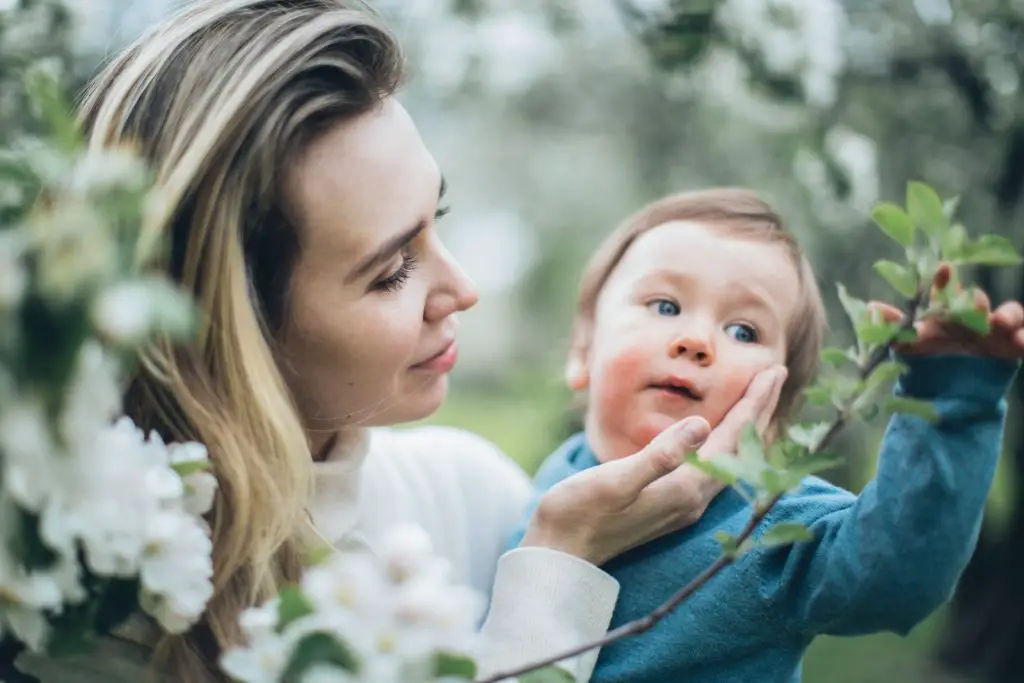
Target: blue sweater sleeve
{"x": 884, "y": 560}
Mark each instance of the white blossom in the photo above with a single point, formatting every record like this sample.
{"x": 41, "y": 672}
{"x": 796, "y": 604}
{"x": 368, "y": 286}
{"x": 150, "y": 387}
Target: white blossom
{"x": 177, "y": 569}
{"x": 393, "y": 611}
{"x": 115, "y": 168}
{"x": 200, "y": 484}
{"x": 801, "y": 39}
{"x": 123, "y": 312}
{"x": 857, "y": 156}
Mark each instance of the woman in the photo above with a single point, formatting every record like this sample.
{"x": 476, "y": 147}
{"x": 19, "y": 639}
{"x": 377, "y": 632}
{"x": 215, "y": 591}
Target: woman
{"x": 300, "y": 202}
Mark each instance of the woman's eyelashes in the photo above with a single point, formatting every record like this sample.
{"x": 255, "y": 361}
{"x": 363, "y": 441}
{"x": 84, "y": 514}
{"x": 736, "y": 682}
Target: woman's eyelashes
{"x": 399, "y": 277}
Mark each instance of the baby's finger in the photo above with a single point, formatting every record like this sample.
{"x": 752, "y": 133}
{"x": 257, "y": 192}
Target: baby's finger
{"x": 1009, "y": 316}
{"x": 981, "y": 300}
{"x": 768, "y": 409}
{"x": 757, "y": 401}
{"x": 889, "y": 313}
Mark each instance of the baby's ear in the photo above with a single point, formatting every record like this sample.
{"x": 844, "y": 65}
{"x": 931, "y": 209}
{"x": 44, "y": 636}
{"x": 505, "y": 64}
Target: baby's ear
{"x": 577, "y": 374}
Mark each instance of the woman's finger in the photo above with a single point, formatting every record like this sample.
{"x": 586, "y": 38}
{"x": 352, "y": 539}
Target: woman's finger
{"x": 760, "y": 399}
{"x": 662, "y": 455}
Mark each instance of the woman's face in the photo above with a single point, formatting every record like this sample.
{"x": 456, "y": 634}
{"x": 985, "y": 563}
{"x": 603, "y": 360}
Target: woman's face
{"x": 371, "y": 330}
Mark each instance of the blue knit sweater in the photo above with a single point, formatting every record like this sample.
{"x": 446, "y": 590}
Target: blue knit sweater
{"x": 880, "y": 561}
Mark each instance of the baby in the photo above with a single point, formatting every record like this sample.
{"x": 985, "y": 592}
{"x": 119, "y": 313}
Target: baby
{"x": 680, "y": 307}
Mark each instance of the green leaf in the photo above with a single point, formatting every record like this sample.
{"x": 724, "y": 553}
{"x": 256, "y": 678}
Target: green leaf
{"x": 901, "y": 278}
{"x": 808, "y": 434}
{"x": 910, "y": 406}
{"x": 991, "y": 250}
{"x": 728, "y": 468}
{"x": 949, "y": 207}
{"x": 856, "y": 309}
{"x": 972, "y": 319}
{"x": 895, "y": 222}
{"x": 818, "y": 395}
{"x": 751, "y": 448}
{"x": 779, "y": 481}
{"x": 783, "y": 452}
{"x": 786, "y": 533}
{"x": 549, "y": 674}
{"x": 318, "y": 648}
{"x": 191, "y": 467}
{"x": 886, "y": 372}
{"x": 292, "y": 605}
{"x": 868, "y": 412}
{"x": 710, "y": 466}
{"x": 728, "y": 542}
{"x": 833, "y": 355}
{"x": 952, "y": 243}
{"x": 925, "y": 209}
{"x": 813, "y": 463}
{"x": 906, "y": 336}
{"x": 874, "y": 334}
{"x": 449, "y": 665}
{"x": 318, "y": 554}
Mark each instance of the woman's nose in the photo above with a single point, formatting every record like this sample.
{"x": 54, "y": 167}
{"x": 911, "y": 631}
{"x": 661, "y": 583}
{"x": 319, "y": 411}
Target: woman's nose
{"x": 456, "y": 292}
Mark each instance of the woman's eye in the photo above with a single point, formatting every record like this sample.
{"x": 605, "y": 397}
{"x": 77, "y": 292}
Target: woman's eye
{"x": 664, "y": 307}
{"x": 394, "y": 282}
{"x": 742, "y": 332}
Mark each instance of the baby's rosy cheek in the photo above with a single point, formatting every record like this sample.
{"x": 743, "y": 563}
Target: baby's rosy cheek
{"x": 619, "y": 378}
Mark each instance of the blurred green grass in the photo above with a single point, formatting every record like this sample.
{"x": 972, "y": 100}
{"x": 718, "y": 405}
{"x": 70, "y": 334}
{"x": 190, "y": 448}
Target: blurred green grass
{"x": 528, "y": 418}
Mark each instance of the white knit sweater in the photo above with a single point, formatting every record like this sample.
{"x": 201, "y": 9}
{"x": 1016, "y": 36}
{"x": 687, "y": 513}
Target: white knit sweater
{"x": 468, "y": 496}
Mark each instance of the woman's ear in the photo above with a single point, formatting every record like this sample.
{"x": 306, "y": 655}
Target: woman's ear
{"x": 577, "y": 374}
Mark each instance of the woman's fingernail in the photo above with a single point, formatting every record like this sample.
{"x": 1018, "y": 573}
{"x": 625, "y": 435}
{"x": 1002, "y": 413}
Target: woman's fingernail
{"x": 693, "y": 432}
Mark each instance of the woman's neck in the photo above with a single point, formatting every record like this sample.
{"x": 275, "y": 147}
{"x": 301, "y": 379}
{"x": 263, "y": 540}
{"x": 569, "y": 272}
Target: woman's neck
{"x": 339, "y": 445}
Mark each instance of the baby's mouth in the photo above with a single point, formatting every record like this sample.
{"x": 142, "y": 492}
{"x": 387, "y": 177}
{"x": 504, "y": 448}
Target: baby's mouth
{"x": 680, "y": 388}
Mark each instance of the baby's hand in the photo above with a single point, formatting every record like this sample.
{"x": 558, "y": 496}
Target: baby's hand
{"x": 936, "y": 336}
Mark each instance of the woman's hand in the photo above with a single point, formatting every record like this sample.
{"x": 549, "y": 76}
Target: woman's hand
{"x": 606, "y": 510}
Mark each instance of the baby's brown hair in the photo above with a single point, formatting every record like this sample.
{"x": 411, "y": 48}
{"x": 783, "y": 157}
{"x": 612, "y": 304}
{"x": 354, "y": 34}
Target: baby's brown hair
{"x": 736, "y": 213}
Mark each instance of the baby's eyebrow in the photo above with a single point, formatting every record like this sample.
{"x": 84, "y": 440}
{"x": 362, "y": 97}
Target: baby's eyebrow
{"x": 755, "y": 297}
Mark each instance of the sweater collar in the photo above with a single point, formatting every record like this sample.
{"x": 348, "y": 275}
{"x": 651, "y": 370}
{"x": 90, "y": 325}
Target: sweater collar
{"x": 335, "y": 504}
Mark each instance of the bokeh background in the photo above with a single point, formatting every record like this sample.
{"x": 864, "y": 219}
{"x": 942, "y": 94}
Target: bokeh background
{"x": 553, "y": 119}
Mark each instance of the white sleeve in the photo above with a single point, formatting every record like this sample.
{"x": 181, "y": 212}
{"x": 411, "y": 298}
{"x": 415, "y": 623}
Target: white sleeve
{"x": 545, "y": 602}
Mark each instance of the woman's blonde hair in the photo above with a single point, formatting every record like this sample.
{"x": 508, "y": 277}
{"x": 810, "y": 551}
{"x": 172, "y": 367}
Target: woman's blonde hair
{"x": 222, "y": 98}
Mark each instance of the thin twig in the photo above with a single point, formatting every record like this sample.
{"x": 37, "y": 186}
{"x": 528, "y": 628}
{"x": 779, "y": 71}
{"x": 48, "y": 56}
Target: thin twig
{"x": 648, "y": 621}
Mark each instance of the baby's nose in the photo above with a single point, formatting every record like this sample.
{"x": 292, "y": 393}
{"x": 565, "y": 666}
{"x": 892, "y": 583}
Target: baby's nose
{"x": 693, "y": 347}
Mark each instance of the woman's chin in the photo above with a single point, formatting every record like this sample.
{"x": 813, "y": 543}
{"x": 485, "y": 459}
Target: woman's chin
{"x": 418, "y": 403}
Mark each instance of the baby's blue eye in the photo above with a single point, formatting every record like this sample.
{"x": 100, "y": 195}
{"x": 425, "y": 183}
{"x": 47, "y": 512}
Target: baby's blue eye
{"x": 742, "y": 332}
{"x": 664, "y": 307}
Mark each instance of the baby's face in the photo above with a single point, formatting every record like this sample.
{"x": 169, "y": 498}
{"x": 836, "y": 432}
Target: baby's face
{"x": 686, "y": 320}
